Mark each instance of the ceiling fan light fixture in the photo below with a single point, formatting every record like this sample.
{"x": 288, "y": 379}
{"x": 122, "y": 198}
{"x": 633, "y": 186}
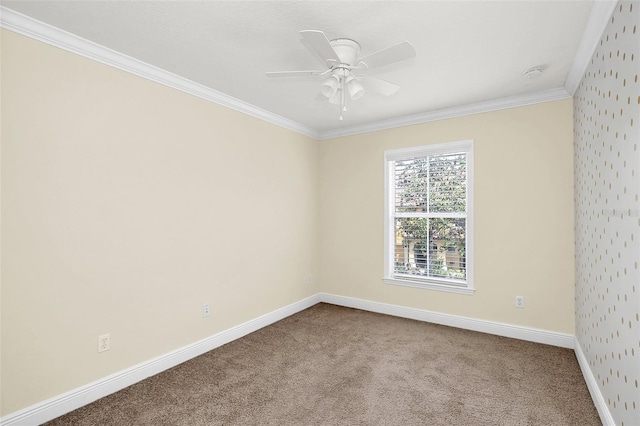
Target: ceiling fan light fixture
{"x": 342, "y": 63}
{"x": 335, "y": 99}
{"x": 356, "y": 91}
{"x": 330, "y": 87}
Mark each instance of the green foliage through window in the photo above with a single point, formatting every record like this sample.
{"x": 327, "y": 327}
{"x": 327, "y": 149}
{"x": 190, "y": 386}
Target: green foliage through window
{"x": 430, "y": 216}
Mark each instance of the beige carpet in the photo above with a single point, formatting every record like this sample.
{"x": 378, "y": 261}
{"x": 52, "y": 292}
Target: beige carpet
{"x": 330, "y": 365}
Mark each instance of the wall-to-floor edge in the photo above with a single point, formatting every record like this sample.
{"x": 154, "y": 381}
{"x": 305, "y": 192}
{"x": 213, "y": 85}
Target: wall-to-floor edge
{"x": 69, "y": 401}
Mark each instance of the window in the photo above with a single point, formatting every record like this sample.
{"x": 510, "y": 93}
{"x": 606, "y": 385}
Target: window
{"x": 428, "y": 217}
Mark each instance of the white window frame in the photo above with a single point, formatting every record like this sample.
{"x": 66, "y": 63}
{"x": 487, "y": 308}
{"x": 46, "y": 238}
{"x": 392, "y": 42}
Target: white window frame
{"x": 431, "y": 283}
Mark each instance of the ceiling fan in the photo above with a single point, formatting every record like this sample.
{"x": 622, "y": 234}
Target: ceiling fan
{"x": 345, "y": 70}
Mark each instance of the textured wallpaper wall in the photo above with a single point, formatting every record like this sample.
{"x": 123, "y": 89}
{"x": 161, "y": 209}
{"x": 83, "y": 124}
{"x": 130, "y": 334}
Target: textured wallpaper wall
{"x": 607, "y": 183}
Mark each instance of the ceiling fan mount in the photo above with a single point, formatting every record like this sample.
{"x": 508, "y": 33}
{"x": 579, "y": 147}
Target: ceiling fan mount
{"x": 347, "y": 50}
{"x": 345, "y": 69}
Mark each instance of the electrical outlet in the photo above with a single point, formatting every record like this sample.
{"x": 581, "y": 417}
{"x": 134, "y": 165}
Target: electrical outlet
{"x": 104, "y": 342}
{"x": 519, "y": 301}
{"x": 309, "y": 279}
{"x": 206, "y": 310}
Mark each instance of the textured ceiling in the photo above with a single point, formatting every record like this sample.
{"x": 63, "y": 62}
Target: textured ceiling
{"x": 467, "y": 51}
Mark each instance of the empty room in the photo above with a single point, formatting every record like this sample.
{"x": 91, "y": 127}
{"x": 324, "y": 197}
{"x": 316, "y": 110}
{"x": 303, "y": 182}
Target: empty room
{"x": 320, "y": 213}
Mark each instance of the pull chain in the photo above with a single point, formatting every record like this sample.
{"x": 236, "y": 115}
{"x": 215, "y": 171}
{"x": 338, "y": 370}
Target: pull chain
{"x": 343, "y": 107}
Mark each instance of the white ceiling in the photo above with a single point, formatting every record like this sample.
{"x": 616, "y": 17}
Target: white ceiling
{"x": 468, "y": 52}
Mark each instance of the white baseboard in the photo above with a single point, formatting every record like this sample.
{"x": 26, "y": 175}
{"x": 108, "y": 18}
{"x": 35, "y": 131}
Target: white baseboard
{"x": 499, "y": 329}
{"x": 598, "y": 399}
{"x": 76, "y": 398}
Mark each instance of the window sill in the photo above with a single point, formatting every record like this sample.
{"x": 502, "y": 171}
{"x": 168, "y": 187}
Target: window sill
{"x": 429, "y": 285}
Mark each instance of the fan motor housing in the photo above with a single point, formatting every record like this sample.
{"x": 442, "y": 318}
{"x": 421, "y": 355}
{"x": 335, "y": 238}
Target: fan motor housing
{"x": 347, "y": 50}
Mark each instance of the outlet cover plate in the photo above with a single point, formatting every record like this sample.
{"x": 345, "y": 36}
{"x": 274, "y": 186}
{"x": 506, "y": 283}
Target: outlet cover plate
{"x": 104, "y": 342}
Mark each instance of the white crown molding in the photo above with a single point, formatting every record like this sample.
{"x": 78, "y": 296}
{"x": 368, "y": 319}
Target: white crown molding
{"x": 46, "y": 33}
{"x": 21, "y": 24}
{"x": 490, "y": 327}
{"x": 76, "y": 398}
{"x": 592, "y": 384}
{"x": 458, "y": 111}
{"x": 598, "y": 19}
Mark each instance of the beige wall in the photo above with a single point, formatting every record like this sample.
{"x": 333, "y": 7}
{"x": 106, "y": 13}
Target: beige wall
{"x": 523, "y": 216}
{"x": 126, "y": 205}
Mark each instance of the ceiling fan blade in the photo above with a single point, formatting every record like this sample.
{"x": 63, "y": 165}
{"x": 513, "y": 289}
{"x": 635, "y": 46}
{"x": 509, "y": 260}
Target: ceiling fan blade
{"x": 292, "y": 73}
{"x": 378, "y": 85}
{"x": 318, "y": 44}
{"x": 392, "y": 54}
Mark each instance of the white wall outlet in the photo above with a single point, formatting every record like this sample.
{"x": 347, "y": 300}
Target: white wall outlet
{"x": 206, "y": 310}
{"x": 309, "y": 279}
{"x": 519, "y": 301}
{"x": 104, "y": 342}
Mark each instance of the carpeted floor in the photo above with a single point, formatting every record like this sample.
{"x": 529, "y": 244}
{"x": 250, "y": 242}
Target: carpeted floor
{"x": 330, "y": 365}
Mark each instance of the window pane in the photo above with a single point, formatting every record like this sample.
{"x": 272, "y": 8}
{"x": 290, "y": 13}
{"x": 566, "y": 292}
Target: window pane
{"x": 447, "y": 183}
{"x": 430, "y": 247}
{"x": 411, "y": 185}
{"x": 435, "y": 184}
